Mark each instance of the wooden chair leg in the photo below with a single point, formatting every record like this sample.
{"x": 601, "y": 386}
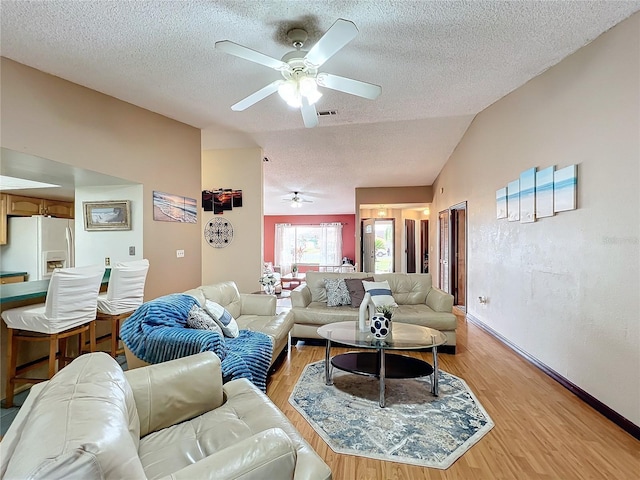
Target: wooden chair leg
{"x": 114, "y": 336}
{"x": 92, "y": 336}
{"x": 62, "y": 353}
{"x": 53, "y": 350}
{"x": 12, "y": 359}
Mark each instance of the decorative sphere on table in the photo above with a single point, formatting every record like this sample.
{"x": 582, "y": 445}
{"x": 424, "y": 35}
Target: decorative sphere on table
{"x": 379, "y": 326}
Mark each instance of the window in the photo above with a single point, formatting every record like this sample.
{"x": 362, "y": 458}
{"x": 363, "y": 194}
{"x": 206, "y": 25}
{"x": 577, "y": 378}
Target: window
{"x": 315, "y": 244}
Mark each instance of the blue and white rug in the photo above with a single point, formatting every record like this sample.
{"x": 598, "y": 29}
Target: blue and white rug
{"x": 415, "y": 427}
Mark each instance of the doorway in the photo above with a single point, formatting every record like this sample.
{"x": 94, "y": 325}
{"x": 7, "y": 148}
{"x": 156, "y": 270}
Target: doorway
{"x": 424, "y": 245}
{"x": 410, "y": 234}
{"x": 452, "y": 237}
{"x": 378, "y": 245}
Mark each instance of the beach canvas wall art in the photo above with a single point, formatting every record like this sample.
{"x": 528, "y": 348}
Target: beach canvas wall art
{"x": 501, "y": 203}
{"x": 528, "y": 196}
{"x": 544, "y": 192}
{"x": 564, "y": 188}
{"x": 513, "y": 200}
{"x": 174, "y": 208}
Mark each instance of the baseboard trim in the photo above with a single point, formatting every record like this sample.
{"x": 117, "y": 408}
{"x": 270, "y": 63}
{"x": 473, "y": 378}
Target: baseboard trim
{"x": 628, "y": 426}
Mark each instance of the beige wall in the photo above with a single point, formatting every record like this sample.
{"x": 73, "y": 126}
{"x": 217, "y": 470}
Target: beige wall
{"x": 51, "y": 118}
{"x": 241, "y": 261}
{"x": 55, "y": 119}
{"x": 565, "y": 288}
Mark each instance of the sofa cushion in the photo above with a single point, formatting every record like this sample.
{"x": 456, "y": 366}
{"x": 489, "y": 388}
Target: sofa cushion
{"x": 356, "y": 290}
{"x": 407, "y": 288}
{"x": 315, "y": 282}
{"x": 225, "y": 294}
{"x": 380, "y": 293}
{"x": 198, "y": 318}
{"x": 223, "y": 318}
{"x": 85, "y": 412}
{"x": 337, "y": 292}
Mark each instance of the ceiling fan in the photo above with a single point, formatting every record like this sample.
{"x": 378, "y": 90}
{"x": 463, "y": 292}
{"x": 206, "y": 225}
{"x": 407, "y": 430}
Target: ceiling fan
{"x": 296, "y": 200}
{"x": 299, "y": 68}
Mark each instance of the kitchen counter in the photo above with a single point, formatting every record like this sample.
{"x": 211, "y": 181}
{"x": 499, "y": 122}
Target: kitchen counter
{"x": 12, "y": 277}
{"x": 25, "y": 293}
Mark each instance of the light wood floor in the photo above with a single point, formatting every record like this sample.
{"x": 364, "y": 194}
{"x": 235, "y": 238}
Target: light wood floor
{"x": 542, "y": 431}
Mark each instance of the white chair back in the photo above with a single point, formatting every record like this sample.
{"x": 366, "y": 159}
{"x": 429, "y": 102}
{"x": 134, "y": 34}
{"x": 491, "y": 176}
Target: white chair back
{"x": 72, "y": 296}
{"x": 126, "y": 287}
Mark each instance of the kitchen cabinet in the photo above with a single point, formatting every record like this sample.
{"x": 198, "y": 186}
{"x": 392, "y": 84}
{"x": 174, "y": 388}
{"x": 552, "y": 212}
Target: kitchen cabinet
{"x": 23, "y": 206}
{"x": 3, "y": 219}
{"x": 26, "y": 206}
{"x": 58, "y": 208}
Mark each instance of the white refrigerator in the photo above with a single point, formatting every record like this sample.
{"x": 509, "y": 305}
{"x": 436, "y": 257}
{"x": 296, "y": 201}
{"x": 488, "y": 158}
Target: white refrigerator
{"x": 37, "y": 245}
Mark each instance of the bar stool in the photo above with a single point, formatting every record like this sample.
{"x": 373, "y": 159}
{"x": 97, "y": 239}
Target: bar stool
{"x": 124, "y": 295}
{"x": 69, "y": 309}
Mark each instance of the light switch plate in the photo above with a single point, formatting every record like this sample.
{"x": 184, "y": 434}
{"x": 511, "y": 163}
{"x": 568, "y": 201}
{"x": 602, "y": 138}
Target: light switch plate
{"x": 132, "y": 250}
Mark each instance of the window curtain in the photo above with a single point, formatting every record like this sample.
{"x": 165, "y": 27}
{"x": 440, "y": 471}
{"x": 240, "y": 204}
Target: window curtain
{"x": 331, "y": 245}
{"x": 284, "y": 238}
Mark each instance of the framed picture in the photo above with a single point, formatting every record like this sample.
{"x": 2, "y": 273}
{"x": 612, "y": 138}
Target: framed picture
{"x": 501, "y": 203}
{"x": 109, "y": 215}
{"x": 564, "y": 188}
{"x": 513, "y": 201}
{"x": 528, "y": 196}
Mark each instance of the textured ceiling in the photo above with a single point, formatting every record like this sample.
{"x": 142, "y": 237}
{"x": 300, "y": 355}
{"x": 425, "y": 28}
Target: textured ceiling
{"x": 439, "y": 64}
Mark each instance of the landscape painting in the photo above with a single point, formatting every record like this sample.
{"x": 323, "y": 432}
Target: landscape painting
{"x": 501, "y": 203}
{"x": 544, "y": 192}
{"x": 528, "y": 196}
{"x": 513, "y": 200}
{"x": 564, "y": 188}
{"x": 174, "y": 208}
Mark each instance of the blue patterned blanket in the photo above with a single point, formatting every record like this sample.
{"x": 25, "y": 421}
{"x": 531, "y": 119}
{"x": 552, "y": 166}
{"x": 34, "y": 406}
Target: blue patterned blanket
{"x": 157, "y": 332}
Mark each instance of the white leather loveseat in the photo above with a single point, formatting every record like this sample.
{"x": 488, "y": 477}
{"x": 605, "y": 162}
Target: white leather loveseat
{"x": 173, "y": 420}
{"x": 418, "y": 302}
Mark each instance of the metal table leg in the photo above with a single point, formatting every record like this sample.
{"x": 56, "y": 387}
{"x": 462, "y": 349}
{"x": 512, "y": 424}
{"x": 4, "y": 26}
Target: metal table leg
{"x": 327, "y": 365}
{"x": 434, "y": 383}
{"x": 382, "y": 374}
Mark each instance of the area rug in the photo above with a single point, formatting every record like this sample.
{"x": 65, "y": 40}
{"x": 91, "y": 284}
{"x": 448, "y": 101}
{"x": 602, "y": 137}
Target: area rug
{"x": 415, "y": 427}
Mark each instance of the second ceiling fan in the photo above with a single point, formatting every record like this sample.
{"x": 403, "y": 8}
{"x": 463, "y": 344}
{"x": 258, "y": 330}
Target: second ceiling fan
{"x": 299, "y": 68}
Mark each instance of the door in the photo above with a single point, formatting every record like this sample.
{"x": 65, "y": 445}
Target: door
{"x": 368, "y": 245}
{"x": 443, "y": 245}
{"x": 459, "y": 264}
{"x": 384, "y": 245}
{"x": 410, "y": 232}
{"x": 424, "y": 245}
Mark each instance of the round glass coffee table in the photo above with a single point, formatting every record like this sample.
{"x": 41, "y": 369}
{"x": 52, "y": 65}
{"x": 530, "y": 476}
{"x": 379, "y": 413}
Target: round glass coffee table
{"x": 377, "y": 362}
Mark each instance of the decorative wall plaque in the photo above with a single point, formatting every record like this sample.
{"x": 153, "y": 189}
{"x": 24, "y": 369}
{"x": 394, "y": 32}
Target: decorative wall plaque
{"x": 218, "y": 232}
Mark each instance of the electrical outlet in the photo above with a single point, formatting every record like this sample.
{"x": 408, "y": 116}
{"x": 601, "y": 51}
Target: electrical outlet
{"x": 107, "y": 261}
{"x": 132, "y": 250}
{"x": 180, "y": 253}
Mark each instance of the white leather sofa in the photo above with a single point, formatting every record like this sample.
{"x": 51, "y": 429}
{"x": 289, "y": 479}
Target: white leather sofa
{"x": 418, "y": 303}
{"x": 173, "y": 420}
{"x": 255, "y": 312}
{"x": 252, "y": 311}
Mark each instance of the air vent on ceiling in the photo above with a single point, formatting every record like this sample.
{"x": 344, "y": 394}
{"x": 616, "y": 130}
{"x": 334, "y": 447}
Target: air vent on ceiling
{"x": 327, "y": 113}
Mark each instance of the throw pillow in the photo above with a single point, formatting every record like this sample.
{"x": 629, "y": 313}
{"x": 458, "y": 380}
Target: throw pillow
{"x": 337, "y": 292}
{"x": 356, "y": 290}
{"x": 380, "y": 293}
{"x": 201, "y": 320}
{"x": 223, "y": 318}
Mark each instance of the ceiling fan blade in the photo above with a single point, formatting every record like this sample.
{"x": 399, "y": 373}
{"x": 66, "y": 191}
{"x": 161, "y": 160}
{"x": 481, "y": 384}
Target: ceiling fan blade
{"x": 338, "y": 35}
{"x": 309, "y": 114}
{"x": 253, "y": 56}
{"x": 348, "y": 85}
{"x": 256, "y": 96}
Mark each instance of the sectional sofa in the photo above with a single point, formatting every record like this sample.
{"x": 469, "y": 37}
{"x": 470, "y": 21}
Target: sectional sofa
{"x": 418, "y": 303}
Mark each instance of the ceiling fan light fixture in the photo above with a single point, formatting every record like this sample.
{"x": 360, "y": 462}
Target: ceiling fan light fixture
{"x": 293, "y": 90}
{"x": 296, "y": 204}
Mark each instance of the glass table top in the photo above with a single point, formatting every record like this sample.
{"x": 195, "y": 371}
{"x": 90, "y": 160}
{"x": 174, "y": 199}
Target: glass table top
{"x": 403, "y": 336}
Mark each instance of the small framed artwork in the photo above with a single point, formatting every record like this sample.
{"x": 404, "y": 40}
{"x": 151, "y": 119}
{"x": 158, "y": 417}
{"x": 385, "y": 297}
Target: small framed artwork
{"x": 528, "y": 196}
{"x": 513, "y": 201}
{"x": 501, "y": 203}
{"x": 108, "y": 215}
{"x": 564, "y": 188}
{"x": 168, "y": 207}
{"x": 544, "y": 192}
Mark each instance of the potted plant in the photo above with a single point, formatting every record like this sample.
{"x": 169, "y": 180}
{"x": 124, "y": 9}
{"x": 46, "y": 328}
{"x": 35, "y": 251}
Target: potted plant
{"x": 294, "y": 269}
{"x": 386, "y": 311}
